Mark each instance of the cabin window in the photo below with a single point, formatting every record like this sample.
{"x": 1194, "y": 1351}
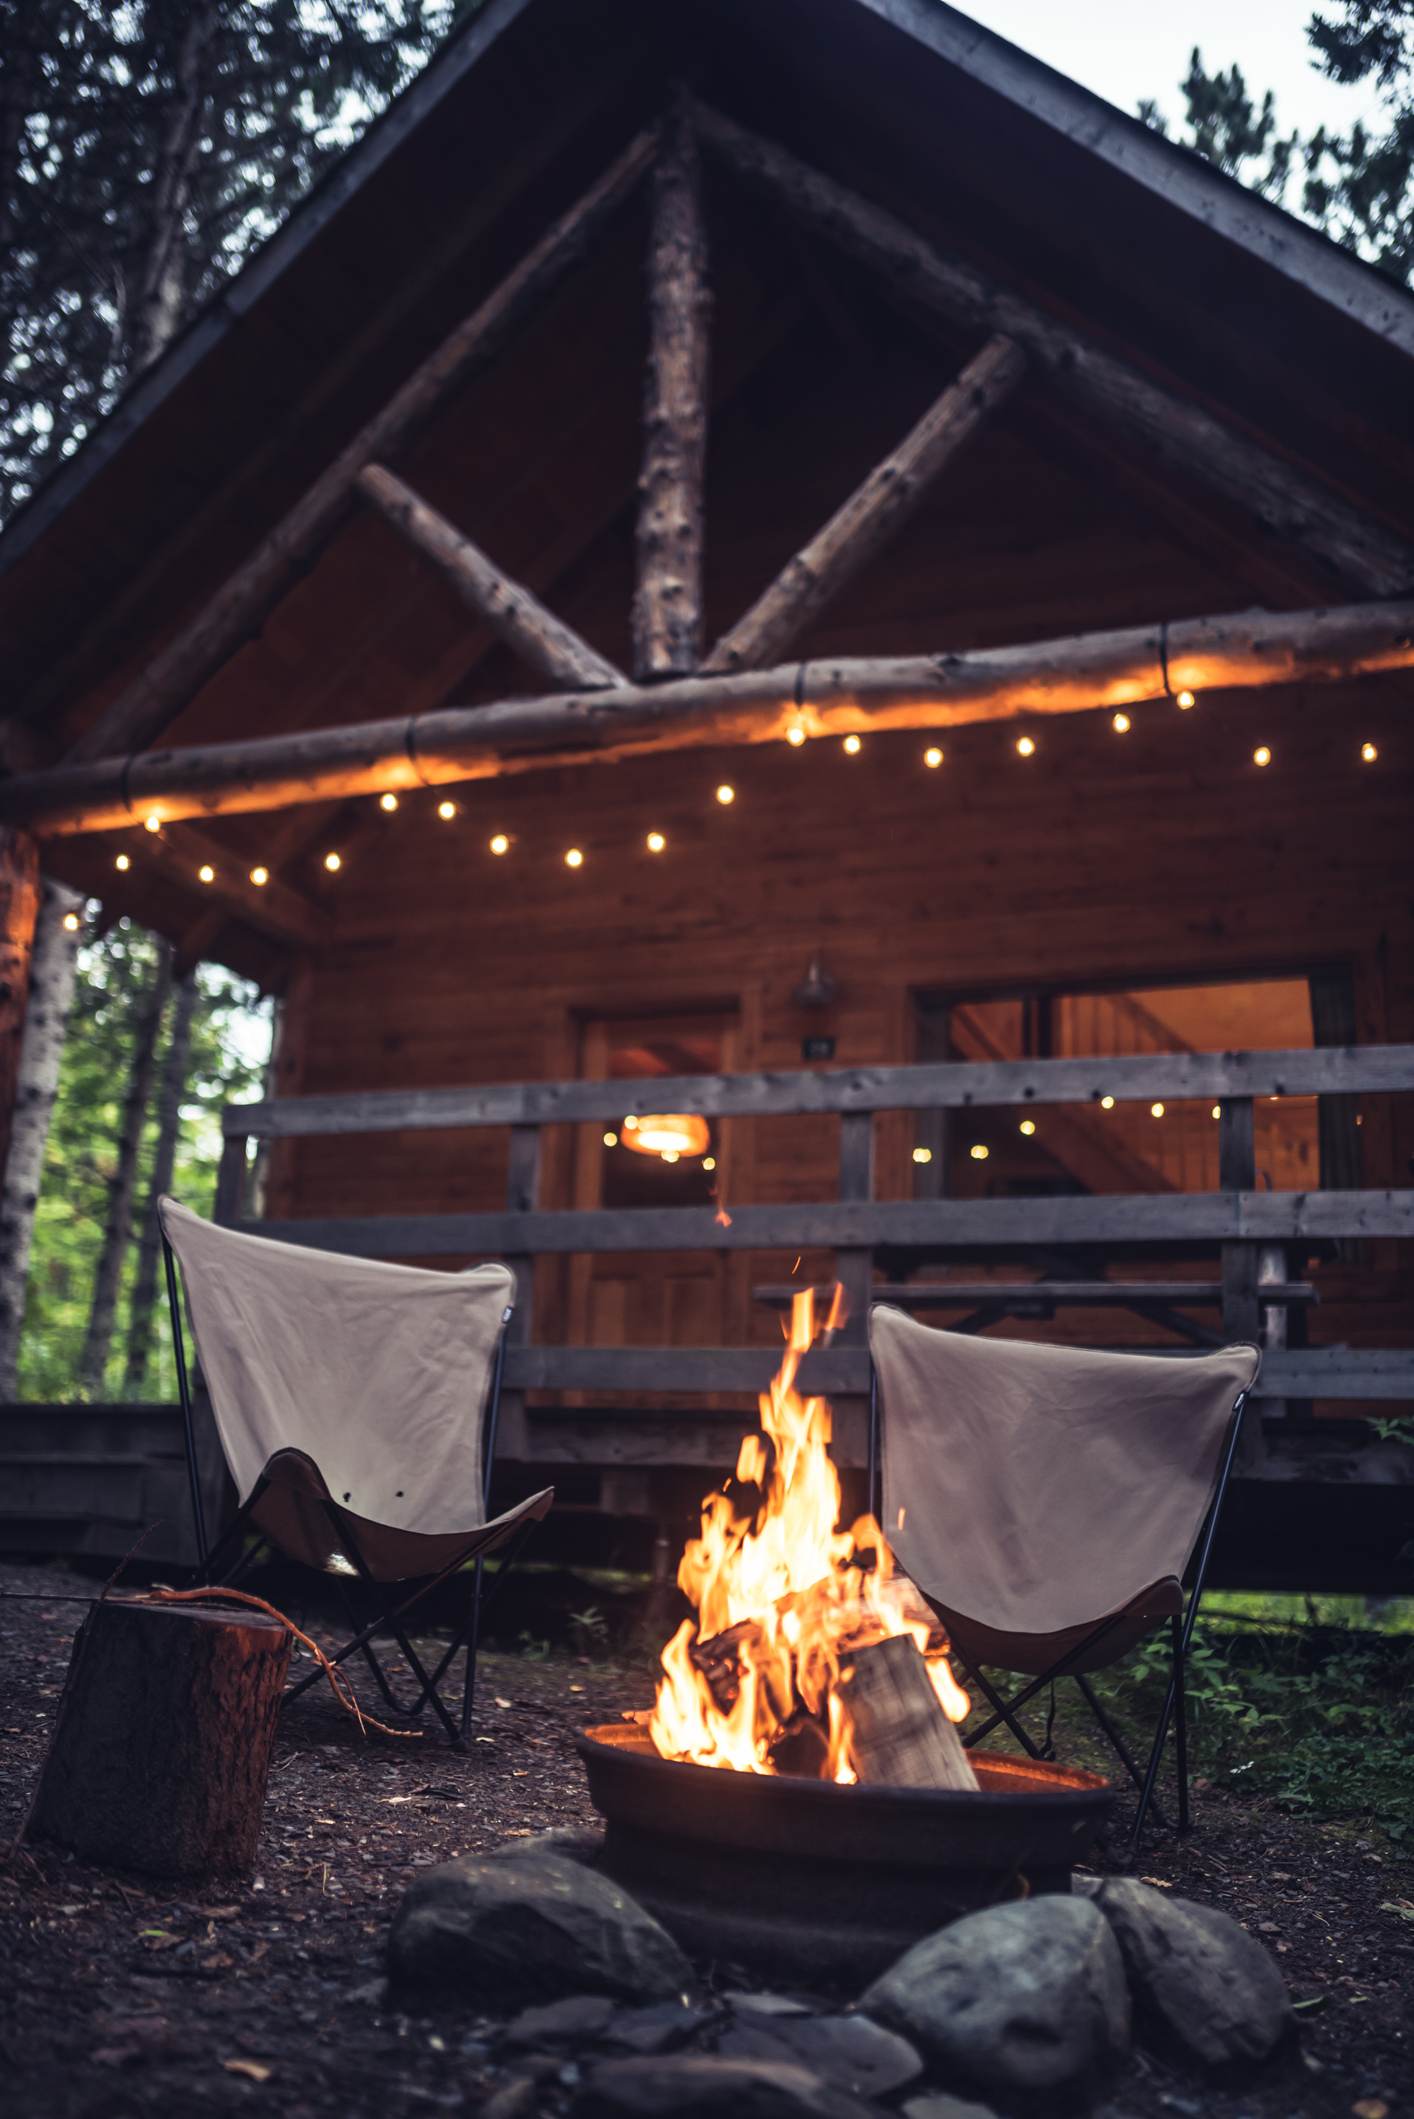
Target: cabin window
{"x": 1301, "y": 1142}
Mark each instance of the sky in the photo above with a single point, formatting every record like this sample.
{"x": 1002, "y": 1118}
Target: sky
{"x": 1126, "y": 50}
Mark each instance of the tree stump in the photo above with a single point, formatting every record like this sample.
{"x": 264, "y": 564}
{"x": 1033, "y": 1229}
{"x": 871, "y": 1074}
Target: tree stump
{"x": 899, "y": 1735}
{"x": 162, "y": 1745}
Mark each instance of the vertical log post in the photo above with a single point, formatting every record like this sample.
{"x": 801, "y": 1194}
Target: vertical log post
{"x": 667, "y": 606}
{"x": 1237, "y": 1172}
{"x": 19, "y": 909}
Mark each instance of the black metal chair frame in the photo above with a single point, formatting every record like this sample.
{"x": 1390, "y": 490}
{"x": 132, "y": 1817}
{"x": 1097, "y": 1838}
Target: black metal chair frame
{"x": 388, "y": 1617}
{"x": 1175, "y": 1709}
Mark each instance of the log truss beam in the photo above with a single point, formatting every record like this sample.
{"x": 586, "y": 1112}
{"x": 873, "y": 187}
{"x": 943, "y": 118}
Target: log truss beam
{"x": 872, "y": 514}
{"x": 1362, "y": 554}
{"x": 1086, "y": 672}
{"x": 667, "y": 605}
{"x": 550, "y": 647}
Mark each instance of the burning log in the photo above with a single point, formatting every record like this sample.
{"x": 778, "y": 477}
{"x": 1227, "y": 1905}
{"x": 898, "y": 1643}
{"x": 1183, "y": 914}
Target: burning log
{"x": 897, "y": 1732}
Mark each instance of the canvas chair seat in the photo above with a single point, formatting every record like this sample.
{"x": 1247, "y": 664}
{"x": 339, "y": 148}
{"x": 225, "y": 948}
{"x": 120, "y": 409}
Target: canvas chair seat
{"x": 1047, "y": 1500}
{"x": 292, "y": 1511}
{"x": 355, "y": 1406}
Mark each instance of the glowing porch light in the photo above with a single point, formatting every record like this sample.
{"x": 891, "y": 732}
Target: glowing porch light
{"x": 669, "y": 1135}
{"x": 122, "y": 862}
{"x": 1368, "y": 753}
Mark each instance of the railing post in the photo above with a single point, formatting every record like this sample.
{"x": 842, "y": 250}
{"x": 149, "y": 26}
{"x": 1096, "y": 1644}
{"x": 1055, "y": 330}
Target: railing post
{"x": 230, "y": 1182}
{"x": 855, "y": 1269}
{"x": 1237, "y": 1172}
{"x": 522, "y": 1197}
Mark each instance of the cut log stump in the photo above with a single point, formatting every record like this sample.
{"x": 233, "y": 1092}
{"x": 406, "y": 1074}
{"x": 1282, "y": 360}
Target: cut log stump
{"x": 899, "y": 1735}
{"x": 162, "y": 1746}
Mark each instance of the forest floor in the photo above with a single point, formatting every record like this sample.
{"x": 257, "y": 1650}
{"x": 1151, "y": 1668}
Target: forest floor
{"x": 125, "y": 1998}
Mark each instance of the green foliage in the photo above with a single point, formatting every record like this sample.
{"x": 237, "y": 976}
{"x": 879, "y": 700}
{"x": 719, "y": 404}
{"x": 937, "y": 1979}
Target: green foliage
{"x": 146, "y": 152}
{"x": 1358, "y": 186}
{"x": 1317, "y": 1712}
{"x": 230, "y": 1036}
{"x": 589, "y": 1630}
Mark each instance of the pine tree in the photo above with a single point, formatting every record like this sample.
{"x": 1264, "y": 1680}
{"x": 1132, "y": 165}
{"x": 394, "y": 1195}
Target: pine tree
{"x": 145, "y": 152}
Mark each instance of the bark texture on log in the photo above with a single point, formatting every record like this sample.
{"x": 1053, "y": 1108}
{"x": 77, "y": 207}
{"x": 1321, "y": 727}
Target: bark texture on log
{"x": 873, "y": 514}
{"x": 169, "y": 1121}
{"x": 51, "y": 991}
{"x": 1092, "y": 671}
{"x": 550, "y": 647}
{"x": 667, "y": 606}
{"x": 19, "y": 910}
{"x": 122, "y": 1187}
{"x": 239, "y": 608}
{"x": 899, "y": 1736}
{"x": 1362, "y": 554}
{"x": 162, "y": 1743}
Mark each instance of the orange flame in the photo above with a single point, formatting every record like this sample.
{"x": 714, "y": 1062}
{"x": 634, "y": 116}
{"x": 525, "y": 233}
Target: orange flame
{"x": 781, "y": 1595}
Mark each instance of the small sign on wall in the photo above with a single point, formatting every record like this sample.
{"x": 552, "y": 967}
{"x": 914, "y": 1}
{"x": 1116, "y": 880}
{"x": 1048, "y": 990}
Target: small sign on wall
{"x": 817, "y": 1048}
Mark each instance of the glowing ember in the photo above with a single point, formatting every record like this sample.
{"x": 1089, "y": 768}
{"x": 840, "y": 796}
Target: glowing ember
{"x": 782, "y": 1598}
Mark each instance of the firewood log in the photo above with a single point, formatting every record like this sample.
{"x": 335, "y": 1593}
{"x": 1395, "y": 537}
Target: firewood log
{"x": 899, "y": 1735}
{"x": 162, "y": 1744}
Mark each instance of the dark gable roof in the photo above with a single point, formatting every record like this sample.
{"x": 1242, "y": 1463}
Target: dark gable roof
{"x": 971, "y": 141}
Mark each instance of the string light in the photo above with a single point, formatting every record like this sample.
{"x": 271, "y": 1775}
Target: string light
{"x": 122, "y": 862}
{"x": 1217, "y": 1110}
{"x": 1025, "y": 746}
{"x": 260, "y": 877}
{"x": 793, "y": 735}
{"x": 1185, "y": 700}
{"x": 709, "y": 1162}
{"x": 611, "y": 1140}
{"x": 153, "y": 823}
{"x": 388, "y": 802}
{"x": 630, "y": 1124}
{"x": 1107, "y": 1103}
{"x": 1121, "y": 724}
{"x": 500, "y": 844}
{"x": 1368, "y": 753}
{"x": 726, "y": 794}
{"x": 1028, "y": 1126}
{"x": 979, "y": 1153}
{"x": 1157, "y": 1110}
{"x": 446, "y": 811}
{"x": 574, "y": 858}
{"x": 851, "y": 744}
{"x": 656, "y": 842}
{"x": 1261, "y": 756}
{"x": 71, "y": 922}
{"x": 922, "y": 1155}
{"x": 933, "y": 756}
{"x": 207, "y": 874}
{"x": 333, "y": 863}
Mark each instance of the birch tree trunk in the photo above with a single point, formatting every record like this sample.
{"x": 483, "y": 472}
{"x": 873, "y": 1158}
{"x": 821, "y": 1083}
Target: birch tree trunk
{"x": 160, "y": 292}
{"x": 51, "y": 990}
{"x": 118, "y": 1232}
{"x": 169, "y": 1120}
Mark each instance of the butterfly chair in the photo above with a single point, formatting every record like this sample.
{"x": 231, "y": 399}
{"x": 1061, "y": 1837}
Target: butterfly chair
{"x": 1048, "y": 1500}
{"x": 356, "y": 1406}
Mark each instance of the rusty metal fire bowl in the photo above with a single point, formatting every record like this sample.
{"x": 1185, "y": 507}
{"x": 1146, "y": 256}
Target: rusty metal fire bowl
{"x": 804, "y": 1880}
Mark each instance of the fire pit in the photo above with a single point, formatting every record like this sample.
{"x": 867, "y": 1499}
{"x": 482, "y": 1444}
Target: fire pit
{"x": 805, "y": 1880}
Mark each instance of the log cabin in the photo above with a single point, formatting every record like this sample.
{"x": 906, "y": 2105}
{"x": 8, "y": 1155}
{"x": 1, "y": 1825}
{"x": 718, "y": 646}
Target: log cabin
{"x": 783, "y": 566}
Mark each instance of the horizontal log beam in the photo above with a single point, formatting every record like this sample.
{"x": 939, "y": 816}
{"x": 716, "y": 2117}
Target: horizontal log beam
{"x": 544, "y": 642}
{"x": 180, "y": 853}
{"x": 241, "y": 605}
{"x": 606, "y": 1368}
{"x": 1056, "y": 1294}
{"x": 1326, "y": 1070}
{"x": 1362, "y": 554}
{"x": 1201, "y": 1217}
{"x": 872, "y": 515}
{"x": 1090, "y": 671}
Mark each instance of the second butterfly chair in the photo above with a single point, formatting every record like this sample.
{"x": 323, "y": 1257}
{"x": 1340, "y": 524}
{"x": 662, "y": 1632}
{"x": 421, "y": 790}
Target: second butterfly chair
{"x": 1048, "y": 1500}
{"x": 356, "y": 1407}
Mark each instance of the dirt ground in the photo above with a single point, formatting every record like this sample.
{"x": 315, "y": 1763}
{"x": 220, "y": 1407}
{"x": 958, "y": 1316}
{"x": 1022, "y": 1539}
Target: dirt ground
{"x": 125, "y": 1997}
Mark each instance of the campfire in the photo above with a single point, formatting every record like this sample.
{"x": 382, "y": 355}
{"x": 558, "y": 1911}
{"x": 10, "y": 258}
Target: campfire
{"x": 811, "y": 1655}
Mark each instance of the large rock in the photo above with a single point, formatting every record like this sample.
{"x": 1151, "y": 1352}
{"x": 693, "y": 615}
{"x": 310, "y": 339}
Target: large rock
{"x": 506, "y": 1934}
{"x": 849, "y": 2051}
{"x": 1021, "y": 1996}
{"x": 700, "y": 2086}
{"x": 937, "y": 2104}
{"x": 1195, "y": 1974}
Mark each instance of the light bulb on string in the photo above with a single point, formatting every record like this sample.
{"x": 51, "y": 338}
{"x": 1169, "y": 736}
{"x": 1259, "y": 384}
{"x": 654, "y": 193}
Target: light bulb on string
{"x": 1028, "y": 1127}
{"x": 122, "y": 862}
{"x": 611, "y": 1140}
{"x": 978, "y": 1153}
{"x": 152, "y": 823}
{"x": 933, "y": 756}
{"x": 1261, "y": 756}
{"x": 260, "y": 877}
{"x": 388, "y": 802}
{"x": 852, "y": 746}
{"x": 726, "y": 794}
{"x": 1121, "y": 724}
{"x": 500, "y": 844}
{"x": 922, "y": 1155}
{"x": 574, "y": 858}
{"x": 71, "y": 922}
{"x": 795, "y": 736}
{"x": 1368, "y": 753}
{"x": 333, "y": 862}
{"x": 1107, "y": 1103}
{"x": 1156, "y": 1110}
{"x": 446, "y": 811}
{"x": 656, "y": 842}
{"x": 1184, "y": 700}
{"x": 1025, "y": 746}
{"x": 207, "y": 874}
{"x": 709, "y": 1162}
